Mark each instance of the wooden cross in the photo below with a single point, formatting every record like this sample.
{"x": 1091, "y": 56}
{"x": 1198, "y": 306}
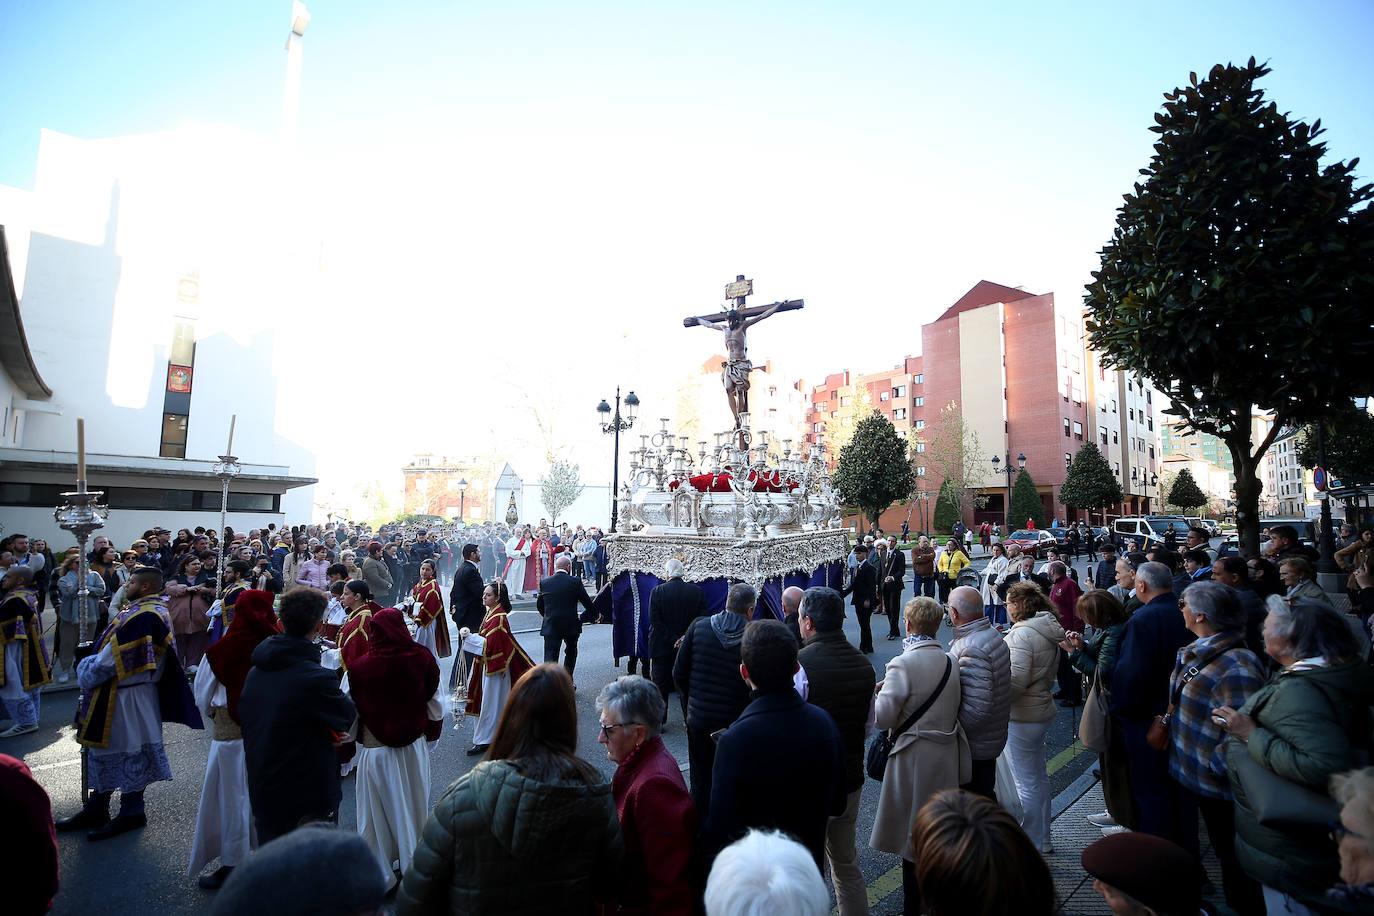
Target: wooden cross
{"x": 737, "y": 291}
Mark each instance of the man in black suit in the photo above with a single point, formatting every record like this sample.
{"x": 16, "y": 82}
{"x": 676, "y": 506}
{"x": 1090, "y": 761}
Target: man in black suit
{"x": 465, "y": 598}
{"x": 559, "y": 596}
{"x": 864, "y": 592}
{"x": 791, "y": 610}
{"x": 892, "y": 579}
{"x": 673, "y": 606}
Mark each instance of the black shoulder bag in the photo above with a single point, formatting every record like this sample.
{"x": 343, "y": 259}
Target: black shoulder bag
{"x": 876, "y": 762}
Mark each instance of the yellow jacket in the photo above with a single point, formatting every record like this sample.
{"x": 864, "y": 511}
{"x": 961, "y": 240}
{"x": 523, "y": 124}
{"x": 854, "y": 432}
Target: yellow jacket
{"x": 952, "y": 563}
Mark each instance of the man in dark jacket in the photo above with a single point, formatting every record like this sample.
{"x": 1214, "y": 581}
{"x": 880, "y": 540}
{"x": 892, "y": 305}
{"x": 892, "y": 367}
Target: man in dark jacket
{"x": 863, "y": 592}
{"x": 840, "y": 680}
{"x": 292, "y": 713}
{"x": 707, "y": 675}
{"x": 891, "y": 580}
{"x": 1233, "y": 571}
{"x": 791, "y": 610}
{"x": 781, "y": 765}
{"x": 673, "y": 606}
{"x": 1145, "y": 659}
{"x": 465, "y": 598}
{"x": 1105, "y": 574}
{"x": 559, "y": 596}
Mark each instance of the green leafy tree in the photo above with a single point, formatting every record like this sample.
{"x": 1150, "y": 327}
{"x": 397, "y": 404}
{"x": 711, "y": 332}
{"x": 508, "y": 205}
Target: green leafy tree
{"x": 1238, "y": 273}
{"x": 955, "y": 456}
{"x": 872, "y": 471}
{"x": 947, "y": 510}
{"x": 1185, "y": 493}
{"x": 1090, "y": 483}
{"x": 1026, "y": 502}
{"x": 560, "y": 488}
{"x": 1349, "y": 446}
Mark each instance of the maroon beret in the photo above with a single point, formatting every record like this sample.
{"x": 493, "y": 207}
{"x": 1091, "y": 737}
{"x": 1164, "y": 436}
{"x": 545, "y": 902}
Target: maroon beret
{"x": 1152, "y": 870}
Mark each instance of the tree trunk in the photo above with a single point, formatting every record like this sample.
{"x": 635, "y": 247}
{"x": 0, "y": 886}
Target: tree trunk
{"x": 1248, "y": 488}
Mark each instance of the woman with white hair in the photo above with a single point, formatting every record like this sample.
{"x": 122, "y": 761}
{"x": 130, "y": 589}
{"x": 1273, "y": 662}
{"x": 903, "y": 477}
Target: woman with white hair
{"x": 657, "y": 817}
{"x": 766, "y": 872}
{"x": 1310, "y": 721}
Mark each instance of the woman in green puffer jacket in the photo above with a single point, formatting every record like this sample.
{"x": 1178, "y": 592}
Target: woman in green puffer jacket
{"x": 531, "y": 829}
{"x": 1311, "y": 721}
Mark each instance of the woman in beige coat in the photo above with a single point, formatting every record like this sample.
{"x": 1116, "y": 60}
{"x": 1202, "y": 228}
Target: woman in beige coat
{"x": 1034, "y": 644}
{"x": 930, "y": 755}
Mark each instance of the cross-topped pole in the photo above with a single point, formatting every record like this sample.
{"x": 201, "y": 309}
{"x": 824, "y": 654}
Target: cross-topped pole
{"x": 733, "y": 323}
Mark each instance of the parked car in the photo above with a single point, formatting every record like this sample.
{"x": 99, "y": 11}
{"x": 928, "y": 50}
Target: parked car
{"x": 1035, "y": 543}
{"x": 1307, "y": 534}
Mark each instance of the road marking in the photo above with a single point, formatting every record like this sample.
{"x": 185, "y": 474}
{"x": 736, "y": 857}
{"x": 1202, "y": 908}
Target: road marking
{"x": 891, "y": 880}
{"x": 52, "y": 766}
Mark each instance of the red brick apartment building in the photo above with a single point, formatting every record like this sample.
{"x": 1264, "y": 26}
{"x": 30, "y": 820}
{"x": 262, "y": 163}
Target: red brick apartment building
{"x": 1016, "y": 365}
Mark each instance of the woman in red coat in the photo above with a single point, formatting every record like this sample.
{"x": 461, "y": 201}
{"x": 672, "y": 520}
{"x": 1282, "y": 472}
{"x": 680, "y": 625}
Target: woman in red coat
{"x": 657, "y": 817}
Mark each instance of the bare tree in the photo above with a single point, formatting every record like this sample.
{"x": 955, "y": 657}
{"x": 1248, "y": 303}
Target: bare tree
{"x": 954, "y": 456}
{"x": 559, "y": 488}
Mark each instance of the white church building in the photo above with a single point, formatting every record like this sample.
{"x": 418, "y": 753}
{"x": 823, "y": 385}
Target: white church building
{"x": 144, "y": 282}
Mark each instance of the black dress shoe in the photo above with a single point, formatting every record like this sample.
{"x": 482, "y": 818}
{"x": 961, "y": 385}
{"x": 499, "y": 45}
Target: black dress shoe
{"x": 85, "y": 819}
{"x": 478, "y": 749}
{"x": 122, "y": 824}
{"x": 891, "y": 637}
{"x": 217, "y": 877}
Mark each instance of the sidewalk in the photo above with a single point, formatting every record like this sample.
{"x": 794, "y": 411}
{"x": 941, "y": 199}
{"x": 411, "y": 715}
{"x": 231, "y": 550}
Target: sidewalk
{"x": 1071, "y": 833}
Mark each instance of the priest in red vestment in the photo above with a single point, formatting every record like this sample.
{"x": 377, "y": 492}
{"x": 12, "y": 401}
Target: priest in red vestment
{"x": 540, "y": 563}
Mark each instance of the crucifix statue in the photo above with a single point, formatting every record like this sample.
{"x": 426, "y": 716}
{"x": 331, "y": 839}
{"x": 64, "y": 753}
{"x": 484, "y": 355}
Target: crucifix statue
{"x": 734, "y": 322}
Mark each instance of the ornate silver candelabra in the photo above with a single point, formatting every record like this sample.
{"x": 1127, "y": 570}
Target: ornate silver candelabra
{"x": 82, "y": 513}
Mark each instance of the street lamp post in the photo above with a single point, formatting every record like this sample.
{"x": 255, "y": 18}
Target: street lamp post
{"x": 462, "y": 498}
{"x": 1009, "y": 470}
{"x": 613, "y": 423}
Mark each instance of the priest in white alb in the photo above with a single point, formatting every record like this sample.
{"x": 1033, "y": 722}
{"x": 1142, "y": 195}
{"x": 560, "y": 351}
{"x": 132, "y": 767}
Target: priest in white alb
{"x": 518, "y": 550}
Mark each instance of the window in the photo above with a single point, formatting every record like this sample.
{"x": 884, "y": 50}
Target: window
{"x": 818, "y": 427}
{"x": 173, "y": 436}
{"x": 1066, "y": 426}
{"x": 899, "y": 413}
{"x": 920, "y": 424}
{"x": 899, "y": 391}
{"x": 1147, "y": 398}
{"x": 1102, "y": 435}
{"x": 1068, "y": 459}
{"x": 883, "y": 396}
{"x": 844, "y": 401}
{"x": 1078, "y": 431}
{"x": 1113, "y": 406}
{"x": 918, "y": 402}
{"x": 1150, "y": 423}
{"x": 920, "y": 379}
{"x": 920, "y": 471}
{"x": 1152, "y": 453}
{"x": 1130, "y": 414}
{"x": 1116, "y": 438}
{"x": 822, "y": 406}
{"x": 920, "y": 448}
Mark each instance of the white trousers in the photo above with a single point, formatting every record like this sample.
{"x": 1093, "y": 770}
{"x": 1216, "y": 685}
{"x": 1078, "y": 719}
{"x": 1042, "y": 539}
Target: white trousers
{"x": 1026, "y": 750}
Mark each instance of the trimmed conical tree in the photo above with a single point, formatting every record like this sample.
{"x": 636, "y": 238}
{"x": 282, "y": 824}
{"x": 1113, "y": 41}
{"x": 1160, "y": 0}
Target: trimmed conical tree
{"x": 872, "y": 471}
{"x": 1025, "y": 502}
{"x": 1185, "y": 493}
{"x": 946, "y": 513}
{"x": 1090, "y": 483}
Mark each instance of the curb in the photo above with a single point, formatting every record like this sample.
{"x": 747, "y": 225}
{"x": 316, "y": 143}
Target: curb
{"x": 1072, "y": 793}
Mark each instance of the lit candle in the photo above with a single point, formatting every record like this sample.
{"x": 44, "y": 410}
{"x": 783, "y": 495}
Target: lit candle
{"x": 80, "y": 450}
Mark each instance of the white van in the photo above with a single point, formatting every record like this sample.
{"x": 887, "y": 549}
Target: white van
{"x": 1148, "y": 530}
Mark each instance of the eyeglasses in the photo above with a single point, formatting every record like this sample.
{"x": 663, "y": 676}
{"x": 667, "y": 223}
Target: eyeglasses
{"x": 1339, "y": 832}
{"x": 606, "y": 729}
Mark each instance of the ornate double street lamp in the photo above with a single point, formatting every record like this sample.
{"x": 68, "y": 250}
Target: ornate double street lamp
{"x": 613, "y": 423}
{"x": 1009, "y": 470}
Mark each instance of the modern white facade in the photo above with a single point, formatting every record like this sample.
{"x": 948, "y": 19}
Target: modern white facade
{"x": 1293, "y": 494}
{"x": 153, "y": 275}
{"x": 1126, "y": 427}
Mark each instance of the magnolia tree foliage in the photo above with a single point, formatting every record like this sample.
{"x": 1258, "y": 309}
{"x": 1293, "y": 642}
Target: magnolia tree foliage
{"x": 1090, "y": 483}
{"x": 1185, "y": 493}
{"x": 872, "y": 471}
{"x": 1240, "y": 272}
{"x": 560, "y": 488}
{"x": 1349, "y": 446}
{"x": 1025, "y": 502}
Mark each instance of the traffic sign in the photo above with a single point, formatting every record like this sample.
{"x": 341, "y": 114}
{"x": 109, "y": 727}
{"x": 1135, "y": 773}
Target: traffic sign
{"x": 1319, "y": 479}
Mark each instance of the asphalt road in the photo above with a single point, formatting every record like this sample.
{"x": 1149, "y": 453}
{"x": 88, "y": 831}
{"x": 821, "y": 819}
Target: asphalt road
{"x": 145, "y": 871}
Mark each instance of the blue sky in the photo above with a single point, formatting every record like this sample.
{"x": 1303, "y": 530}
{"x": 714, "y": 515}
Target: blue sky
{"x": 612, "y": 165}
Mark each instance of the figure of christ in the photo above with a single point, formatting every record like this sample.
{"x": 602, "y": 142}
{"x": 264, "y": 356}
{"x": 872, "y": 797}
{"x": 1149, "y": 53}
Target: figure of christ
{"x": 734, "y": 372}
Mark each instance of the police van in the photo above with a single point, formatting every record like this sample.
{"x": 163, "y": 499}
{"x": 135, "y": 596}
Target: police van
{"x": 1148, "y": 530}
